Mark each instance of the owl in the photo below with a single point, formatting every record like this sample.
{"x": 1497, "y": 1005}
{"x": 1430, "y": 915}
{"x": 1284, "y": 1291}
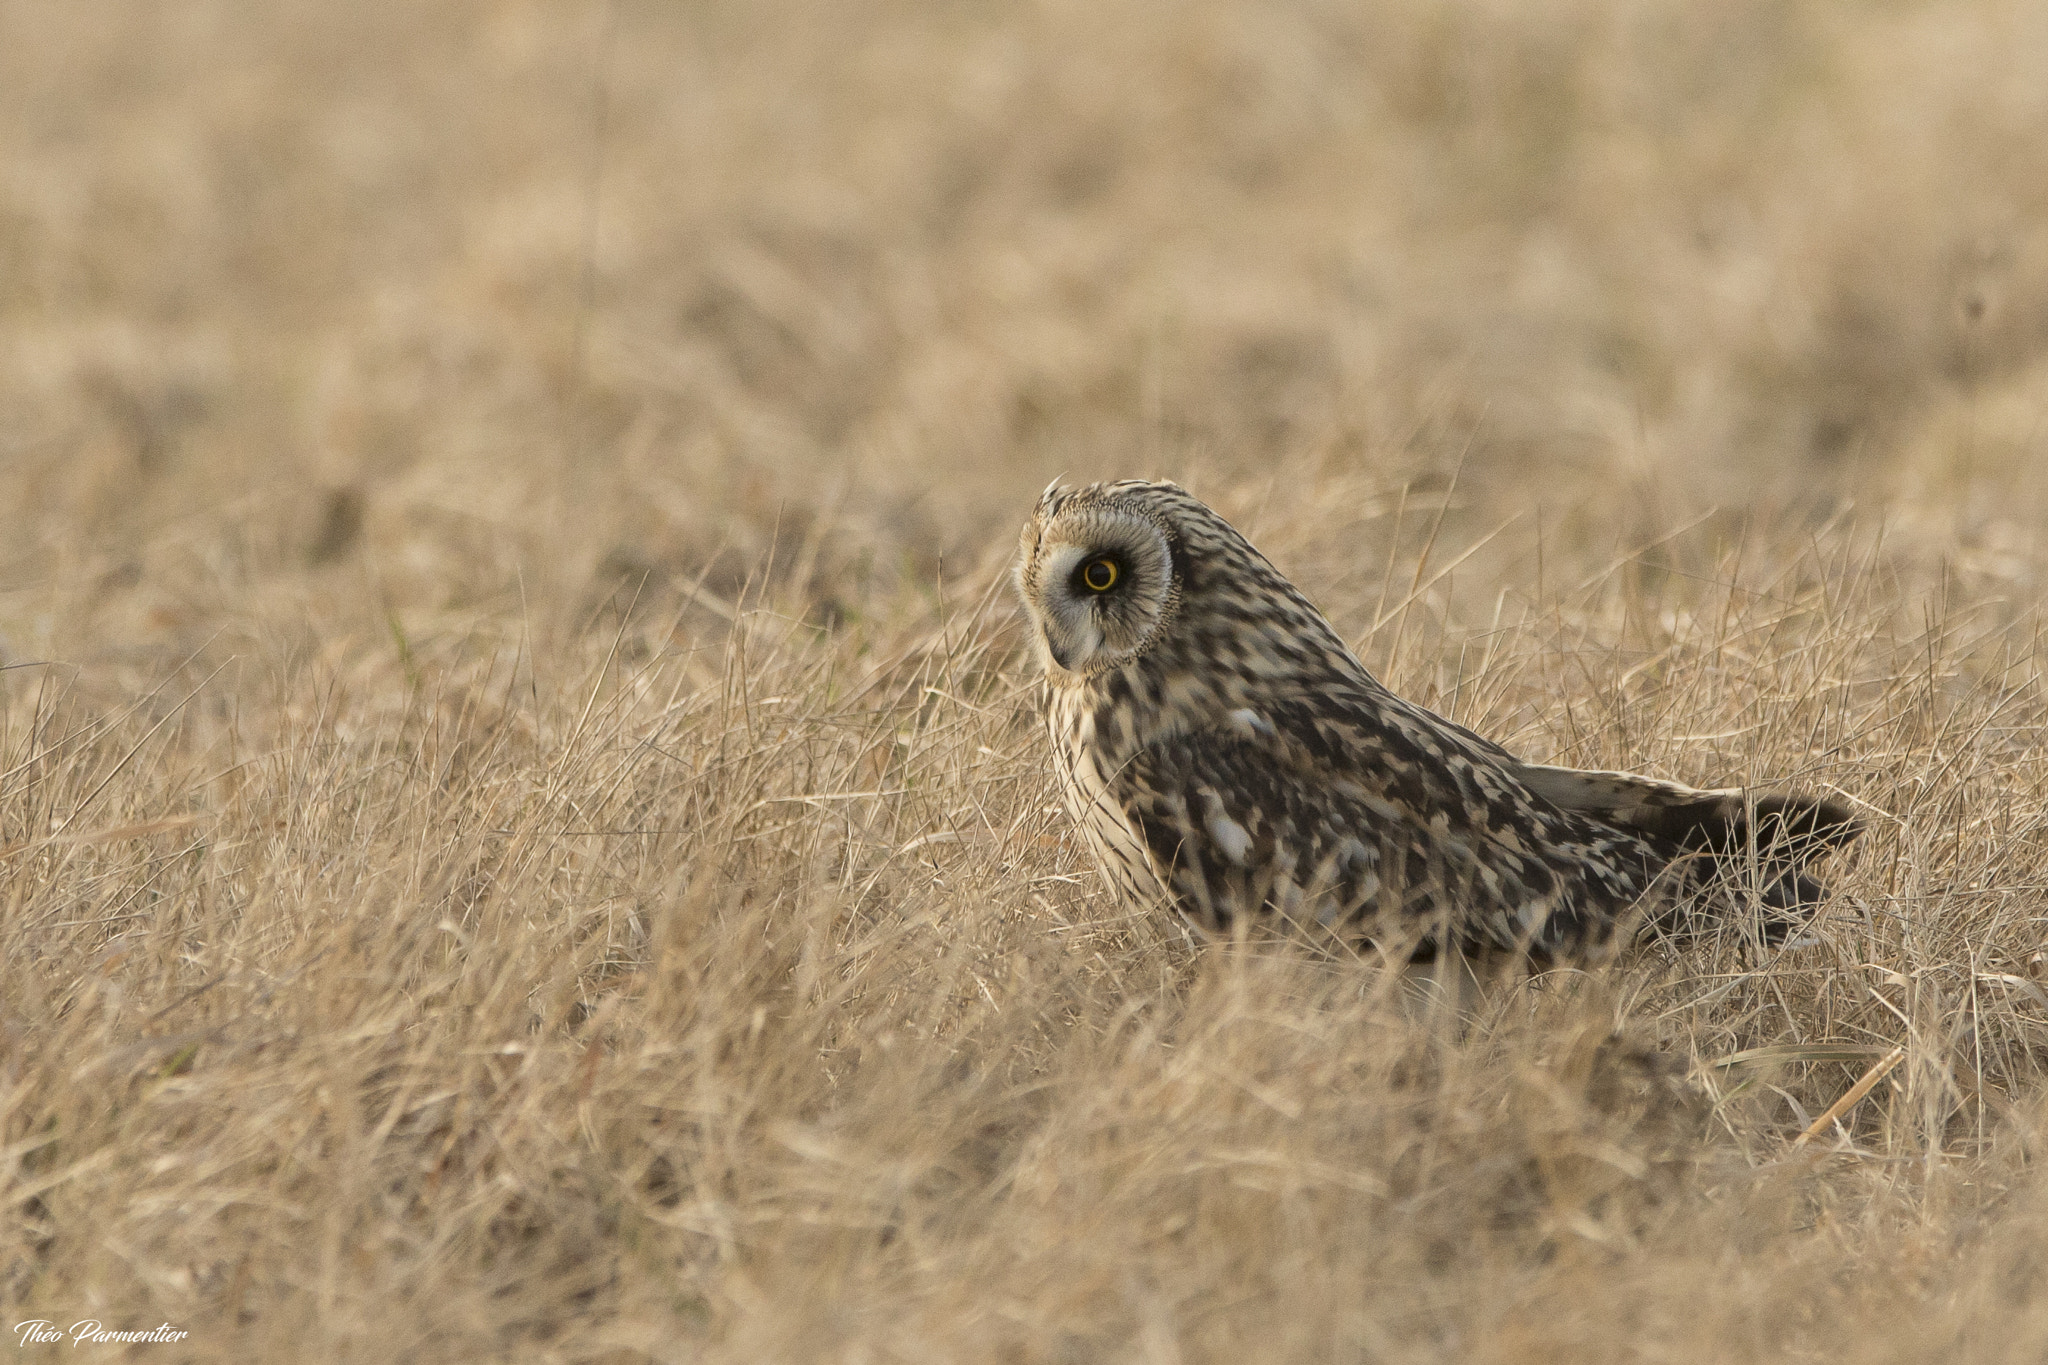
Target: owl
{"x": 1226, "y": 754}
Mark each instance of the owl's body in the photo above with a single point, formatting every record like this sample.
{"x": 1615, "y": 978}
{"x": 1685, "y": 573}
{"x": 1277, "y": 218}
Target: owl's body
{"x": 1226, "y": 753}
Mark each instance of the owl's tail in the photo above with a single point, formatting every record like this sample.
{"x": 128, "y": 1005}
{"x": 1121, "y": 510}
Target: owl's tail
{"x": 1731, "y": 829}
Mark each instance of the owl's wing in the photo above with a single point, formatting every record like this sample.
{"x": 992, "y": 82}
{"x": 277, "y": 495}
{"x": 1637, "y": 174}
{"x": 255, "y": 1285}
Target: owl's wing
{"x": 1763, "y": 837}
{"x": 1783, "y": 827}
{"x": 1340, "y": 811}
{"x": 1779, "y": 829}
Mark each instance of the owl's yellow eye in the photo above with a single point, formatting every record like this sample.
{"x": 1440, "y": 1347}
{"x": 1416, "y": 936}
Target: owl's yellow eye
{"x": 1100, "y": 575}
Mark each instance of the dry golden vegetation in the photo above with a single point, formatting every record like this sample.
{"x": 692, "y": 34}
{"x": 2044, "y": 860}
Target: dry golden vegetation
{"x": 524, "y": 827}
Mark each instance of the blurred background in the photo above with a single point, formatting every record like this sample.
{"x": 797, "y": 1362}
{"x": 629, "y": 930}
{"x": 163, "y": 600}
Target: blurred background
{"x": 395, "y": 954}
{"x": 491, "y": 304}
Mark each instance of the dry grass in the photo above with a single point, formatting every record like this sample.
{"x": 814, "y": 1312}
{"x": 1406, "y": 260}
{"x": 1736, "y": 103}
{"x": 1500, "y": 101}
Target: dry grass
{"x": 525, "y": 833}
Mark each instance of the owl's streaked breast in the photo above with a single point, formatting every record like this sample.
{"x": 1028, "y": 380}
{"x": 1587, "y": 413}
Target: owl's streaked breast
{"x": 1118, "y": 848}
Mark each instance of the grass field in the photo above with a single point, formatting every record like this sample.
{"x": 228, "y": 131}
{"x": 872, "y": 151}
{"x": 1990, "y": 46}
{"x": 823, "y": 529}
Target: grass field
{"x": 525, "y": 830}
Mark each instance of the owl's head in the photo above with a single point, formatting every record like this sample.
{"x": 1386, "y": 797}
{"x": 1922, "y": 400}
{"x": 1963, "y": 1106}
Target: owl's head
{"x": 1116, "y": 571}
{"x": 1098, "y": 570}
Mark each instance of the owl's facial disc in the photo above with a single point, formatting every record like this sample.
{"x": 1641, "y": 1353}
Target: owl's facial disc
{"x": 1097, "y": 581}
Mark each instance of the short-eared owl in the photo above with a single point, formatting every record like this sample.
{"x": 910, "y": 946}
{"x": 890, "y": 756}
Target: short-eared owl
{"x": 1223, "y": 750}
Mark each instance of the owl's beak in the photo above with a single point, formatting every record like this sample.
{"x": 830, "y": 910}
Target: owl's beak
{"x": 1070, "y": 648}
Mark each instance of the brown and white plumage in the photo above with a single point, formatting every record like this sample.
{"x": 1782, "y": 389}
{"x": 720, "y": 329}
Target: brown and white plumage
{"x": 1223, "y": 750}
